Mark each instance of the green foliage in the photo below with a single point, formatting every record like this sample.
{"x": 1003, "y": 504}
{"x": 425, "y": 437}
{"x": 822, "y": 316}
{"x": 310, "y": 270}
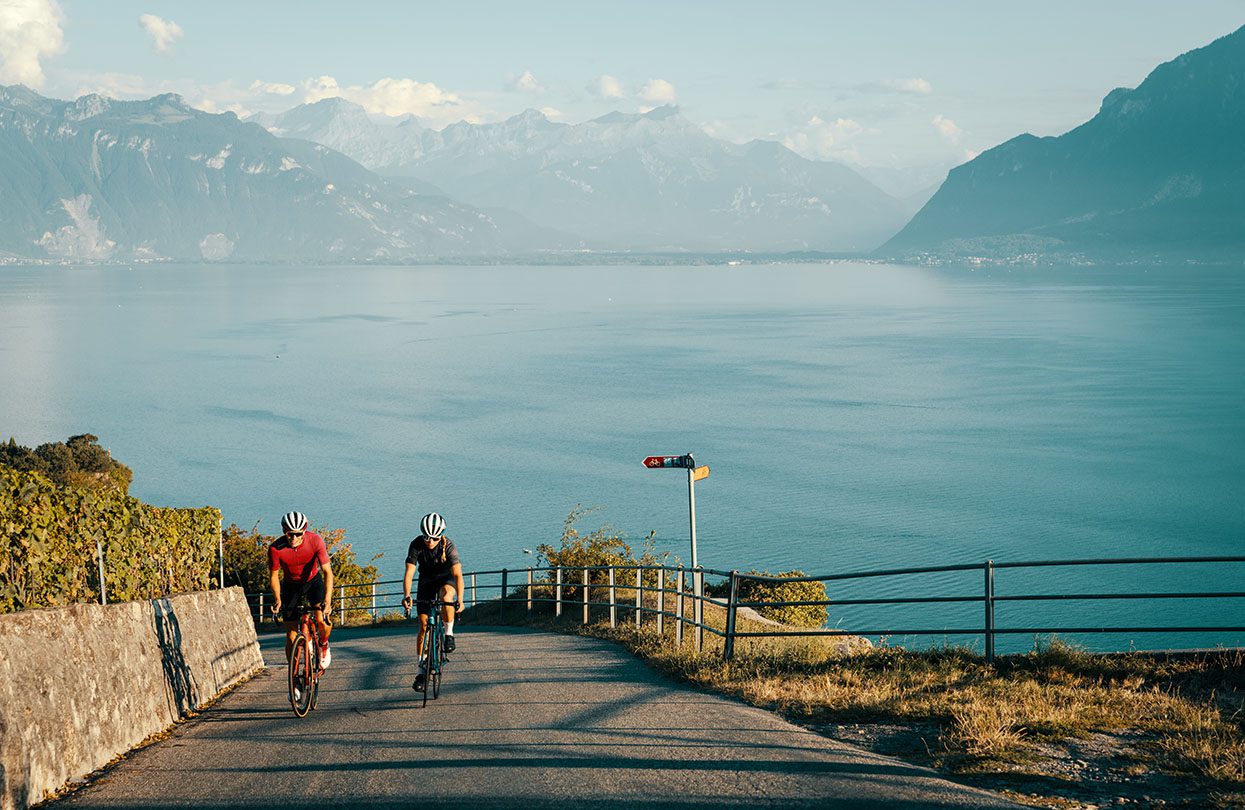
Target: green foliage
{"x": 48, "y": 535}
{"x": 246, "y": 558}
{"x": 600, "y": 547}
{"x": 79, "y": 462}
{"x": 752, "y": 590}
{"x": 246, "y": 564}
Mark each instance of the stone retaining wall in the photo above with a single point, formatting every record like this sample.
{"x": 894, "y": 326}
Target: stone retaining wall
{"x": 80, "y": 685}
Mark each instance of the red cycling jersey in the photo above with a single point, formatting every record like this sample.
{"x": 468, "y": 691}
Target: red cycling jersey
{"x": 300, "y": 563}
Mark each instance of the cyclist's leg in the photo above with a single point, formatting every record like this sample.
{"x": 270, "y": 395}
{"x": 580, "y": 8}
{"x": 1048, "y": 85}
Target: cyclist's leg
{"x": 423, "y": 600}
{"x": 315, "y": 596}
{"x": 289, "y": 615}
{"x": 450, "y": 597}
{"x": 423, "y": 632}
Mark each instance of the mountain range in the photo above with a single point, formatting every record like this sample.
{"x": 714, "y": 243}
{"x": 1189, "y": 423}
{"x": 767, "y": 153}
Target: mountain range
{"x": 646, "y": 182}
{"x": 100, "y": 179}
{"x": 1160, "y": 170}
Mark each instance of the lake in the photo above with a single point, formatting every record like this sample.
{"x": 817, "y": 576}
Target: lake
{"x": 854, "y": 416}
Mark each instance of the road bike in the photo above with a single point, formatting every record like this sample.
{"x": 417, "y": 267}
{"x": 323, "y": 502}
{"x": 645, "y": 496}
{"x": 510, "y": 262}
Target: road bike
{"x": 433, "y": 654}
{"x": 304, "y": 668}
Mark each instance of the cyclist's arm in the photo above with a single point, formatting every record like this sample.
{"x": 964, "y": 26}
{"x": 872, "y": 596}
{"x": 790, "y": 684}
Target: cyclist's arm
{"x": 328, "y": 588}
{"x": 406, "y": 584}
{"x": 274, "y": 582}
{"x": 458, "y": 583}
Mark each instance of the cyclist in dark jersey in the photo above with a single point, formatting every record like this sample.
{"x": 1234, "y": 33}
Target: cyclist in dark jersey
{"x": 300, "y": 555}
{"x": 440, "y": 573}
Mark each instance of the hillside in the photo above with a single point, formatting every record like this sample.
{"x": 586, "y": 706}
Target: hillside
{"x": 99, "y": 179}
{"x": 1159, "y": 170}
{"x": 641, "y": 182}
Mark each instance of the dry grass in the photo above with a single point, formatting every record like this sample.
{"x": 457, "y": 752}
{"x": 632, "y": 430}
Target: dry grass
{"x": 1186, "y": 710}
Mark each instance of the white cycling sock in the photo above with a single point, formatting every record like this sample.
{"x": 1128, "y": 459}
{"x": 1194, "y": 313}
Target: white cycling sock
{"x": 449, "y": 628}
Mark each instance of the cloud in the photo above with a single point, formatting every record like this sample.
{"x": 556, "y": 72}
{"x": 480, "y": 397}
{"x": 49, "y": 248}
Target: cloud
{"x": 658, "y": 91}
{"x": 30, "y": 31}
{"x": 526, "y": 83}
{"x": 552, "y": 114}
{"x": 781, "y": 84}
{"x": 163, "y": 32}
{"x": 947, "y": 128}
{"x": 606, "y": 87}
{"x": 822, "y": 140}
{"x": 918, "y": 87}
{"x": 118, "y": 85}
{"x": 272, "y": 88}
{"x": 396, "y": 97}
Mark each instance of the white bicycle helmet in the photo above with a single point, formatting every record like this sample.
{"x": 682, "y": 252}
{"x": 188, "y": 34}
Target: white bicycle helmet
{"x": 432, "y": 525}
{"x": 294, "y": 522}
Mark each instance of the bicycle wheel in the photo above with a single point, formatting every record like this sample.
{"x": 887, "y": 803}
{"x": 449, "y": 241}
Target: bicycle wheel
{"x": 300, "y": 676}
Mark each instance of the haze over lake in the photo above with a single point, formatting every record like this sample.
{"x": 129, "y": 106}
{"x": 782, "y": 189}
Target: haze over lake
{"x": 854, "y": 416}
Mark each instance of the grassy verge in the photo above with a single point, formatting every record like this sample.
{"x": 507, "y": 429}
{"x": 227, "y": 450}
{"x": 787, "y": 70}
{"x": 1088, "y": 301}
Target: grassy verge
{"x": 1056, "y": 727}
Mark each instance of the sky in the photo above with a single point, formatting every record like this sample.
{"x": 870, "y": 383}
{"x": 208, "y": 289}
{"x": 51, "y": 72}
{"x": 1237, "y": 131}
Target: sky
{"x": 894, "y": 85}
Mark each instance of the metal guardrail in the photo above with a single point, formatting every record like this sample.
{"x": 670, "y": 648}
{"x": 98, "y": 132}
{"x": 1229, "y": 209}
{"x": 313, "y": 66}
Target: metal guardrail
{"x": 675, "y": 589}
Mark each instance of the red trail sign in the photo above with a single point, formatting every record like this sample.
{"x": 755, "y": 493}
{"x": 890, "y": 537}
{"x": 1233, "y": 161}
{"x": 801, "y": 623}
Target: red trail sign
{"x": 678, "y": 462}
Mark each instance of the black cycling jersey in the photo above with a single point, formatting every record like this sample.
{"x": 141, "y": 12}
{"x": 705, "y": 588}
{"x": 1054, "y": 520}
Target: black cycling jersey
{"x": 429, "y": 561}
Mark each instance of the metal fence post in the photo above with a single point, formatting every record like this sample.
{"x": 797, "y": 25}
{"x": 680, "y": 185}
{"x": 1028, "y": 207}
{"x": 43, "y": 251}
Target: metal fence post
{"x": 989, "y": 600}
{"x": 103, "y": 589}
{"x": 529, "y": 590}
{"x": 678, "y": 622}
{"x": 473, "y": 590}
{"x": 661, "y": 601}
{"x": 639, "y": 583}
{"x": 557, "y": 591}
{"x": 728, "y": 644}
{"x": 698, "y": 611}
{"x": 585, "y": 596}
{"x": 502, "y": 609}
{"x": 220, "y": 534}
{"x": 373, "y": 601}
{"x": 613, "y": 602}
{"x": 341, "y": 604}
{"x": 260, "y": 620}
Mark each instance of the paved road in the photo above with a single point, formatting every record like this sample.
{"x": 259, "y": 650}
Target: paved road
{"x": 525, "y": 719}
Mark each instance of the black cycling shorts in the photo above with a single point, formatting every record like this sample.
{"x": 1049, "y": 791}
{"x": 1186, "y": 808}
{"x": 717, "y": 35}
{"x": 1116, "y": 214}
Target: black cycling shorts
{"x": 312, "y": 589}
{"x": 428, "y": 589}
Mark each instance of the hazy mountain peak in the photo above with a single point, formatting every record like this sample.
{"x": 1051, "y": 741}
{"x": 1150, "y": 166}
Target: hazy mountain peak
{"x": 1158, "y": 168}
{"x": 87, "y": 106}
{"x": 122, "y": 182}
{"x": 19, "y": 95}
{"x": 663, "y": 112}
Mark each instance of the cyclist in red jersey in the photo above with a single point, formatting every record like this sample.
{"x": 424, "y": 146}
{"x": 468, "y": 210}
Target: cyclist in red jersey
{"x": 300, "y": 555}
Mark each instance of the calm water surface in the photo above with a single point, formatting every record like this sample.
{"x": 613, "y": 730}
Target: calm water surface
{"x": 854, "y": 416}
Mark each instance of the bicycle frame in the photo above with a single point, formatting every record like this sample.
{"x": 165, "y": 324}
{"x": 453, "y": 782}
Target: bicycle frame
{"x": 433, "y": 652}
{"x": 308, "y": 635}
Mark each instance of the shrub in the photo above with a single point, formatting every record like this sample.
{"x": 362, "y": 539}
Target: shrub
{"x": 48, "y": 535}
{"x": 752, "y": 590}
{"x": 79, "y": 462}
{"x": 600, "y": 547}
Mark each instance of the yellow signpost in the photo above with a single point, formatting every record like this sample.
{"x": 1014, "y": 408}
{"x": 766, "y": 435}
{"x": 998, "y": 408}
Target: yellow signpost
{"x": 700, "y": 473}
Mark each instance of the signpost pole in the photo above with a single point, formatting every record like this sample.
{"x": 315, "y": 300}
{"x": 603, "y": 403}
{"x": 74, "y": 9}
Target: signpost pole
{"x": 691, "y": 513}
